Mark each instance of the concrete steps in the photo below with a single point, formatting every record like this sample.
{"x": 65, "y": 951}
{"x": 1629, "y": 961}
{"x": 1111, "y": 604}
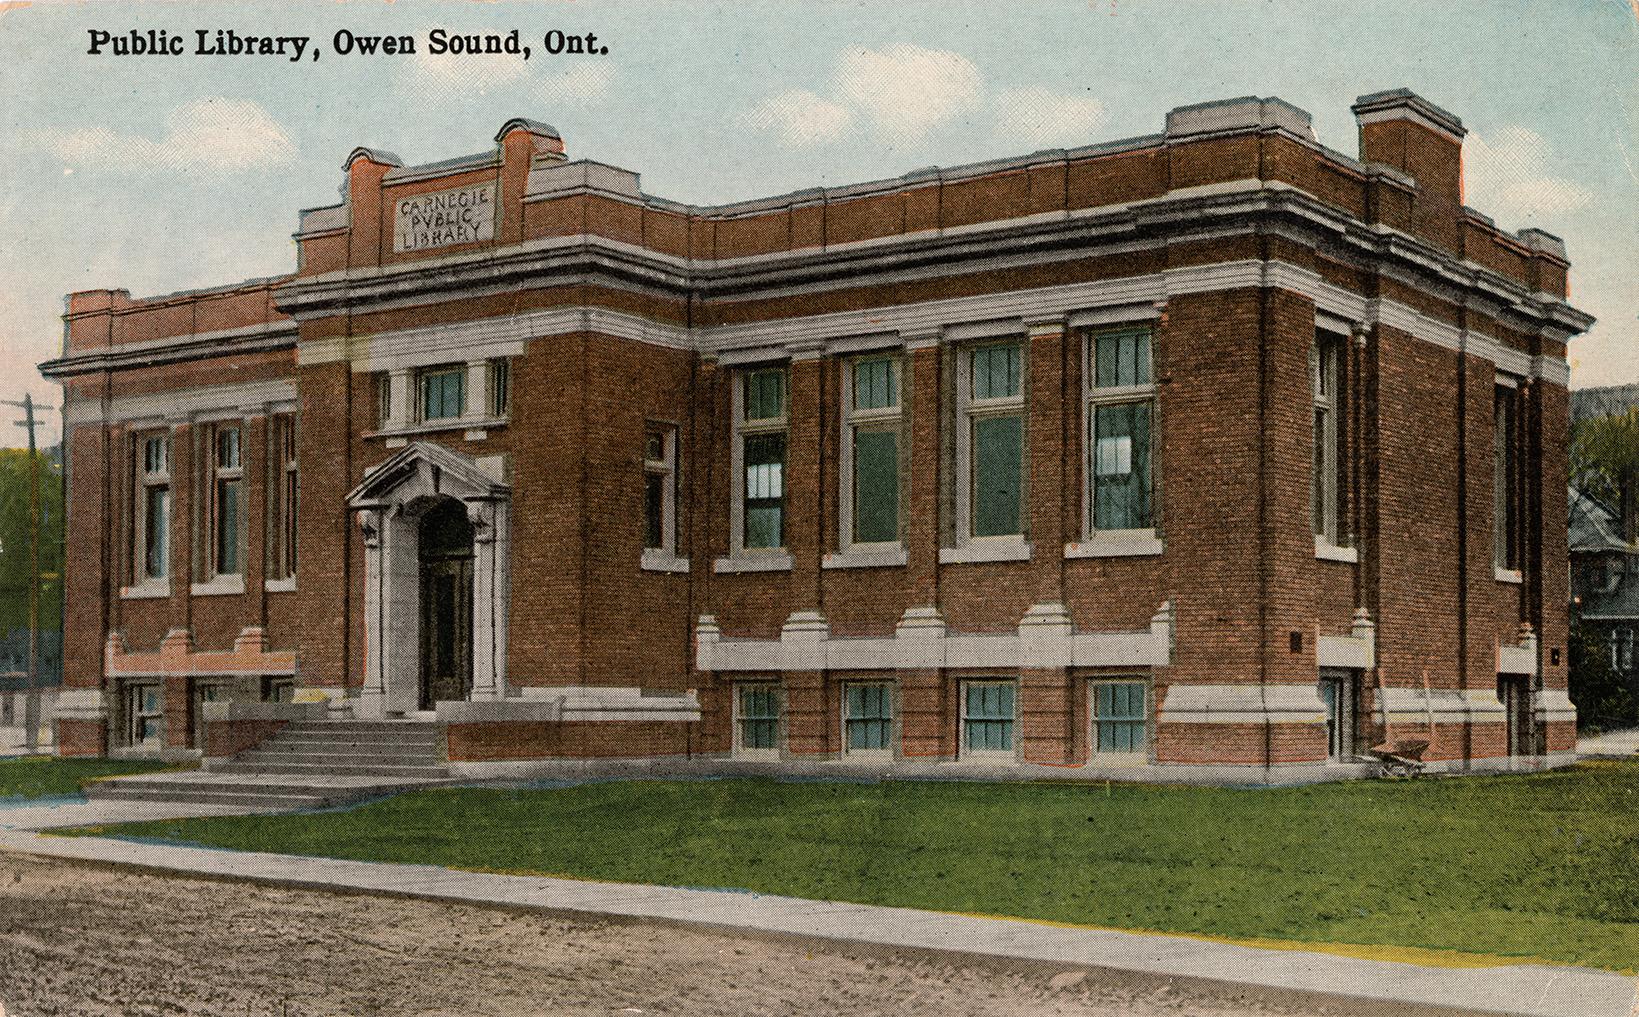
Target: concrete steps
{"x": 309, "y": 764}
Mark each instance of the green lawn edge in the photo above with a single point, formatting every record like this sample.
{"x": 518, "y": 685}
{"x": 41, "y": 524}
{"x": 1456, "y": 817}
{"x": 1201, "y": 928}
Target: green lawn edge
{"x": 28, "y": 778}
{"x": 1541, "y": 867}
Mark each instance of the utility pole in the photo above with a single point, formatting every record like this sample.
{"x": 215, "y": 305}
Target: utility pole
{"x": 31, "y": 694}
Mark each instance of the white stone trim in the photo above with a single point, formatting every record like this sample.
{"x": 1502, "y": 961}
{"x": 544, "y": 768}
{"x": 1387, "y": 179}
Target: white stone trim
{"x": 219, "y": 586}
{"x": 285, "y": 585}
{"x": 81, "y": 704}
{"x": 1508, "y": 575}
{"x": 856, "y": 558}
{"x": 986, "y": 549}
{"x": 256, "y": 398}
{"x": 1044, "y": 638}
{"x": 1116, "y": 544}
{"x": 148, "y": 589}
{"x": 1250, "y": 703}
{"x": 1443, "y": 706}
{"x": 1554, "y": 705}
{"x": 748, "y": 561}
{"x": 1325, "y": 550}
{"x": 657, "y": 560}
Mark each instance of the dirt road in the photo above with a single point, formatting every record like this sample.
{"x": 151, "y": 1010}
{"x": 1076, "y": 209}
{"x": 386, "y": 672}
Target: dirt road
{"x": 101, "y": 941}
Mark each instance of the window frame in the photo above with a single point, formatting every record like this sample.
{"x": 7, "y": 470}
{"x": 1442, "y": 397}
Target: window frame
{"x": 1094, "y": 397}
{"x": 970, "y": 410}
{"x": 1009, "y": 754}
{"x": 148, "y": 482}
{"x": 1140, "y": 754}
{"x": 1343, "y": 715}
{"x": 739, "y": 749}
{"x": 498, "y": 388}
{"x": 743, "y": 429}
{"x": 134, "y": 715}
{"x": 216, "y": 475}
{"x": 423, "y": 379}
{"x": 891, "y": 719}
{"x": 855, "y": 420}
{"x": 283, "y": 498}
{"x": 1508, "y": 488}
{"x": 1326, "y": 375}
{"x": 666, "y": 468}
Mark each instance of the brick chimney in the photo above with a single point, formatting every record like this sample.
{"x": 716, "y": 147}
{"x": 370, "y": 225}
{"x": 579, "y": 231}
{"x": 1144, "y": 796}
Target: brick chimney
{"x": 1403, "y": 130}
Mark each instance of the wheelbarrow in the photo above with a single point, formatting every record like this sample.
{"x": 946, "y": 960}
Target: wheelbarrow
{"x": 1402, "y": 757}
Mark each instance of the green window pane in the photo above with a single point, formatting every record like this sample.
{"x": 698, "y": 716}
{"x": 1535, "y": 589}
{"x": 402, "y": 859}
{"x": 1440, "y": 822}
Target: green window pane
{"x": 876, "y": 486}
{"x": 1119, "y": 713}
{"x": 227, "y": 448}
{"x": 874, "y": 384}
{"x": 1122, "y": 358}
{"x": 759, "y": 717}
{"x": 765, "y": 395}
{"x": 998, "y": 475}
{"x": 444, "y": 395}
{"x": 227, "y": 528}
{"x": 868, "y": 717}
{"x": 1121, "y": 467}
{"x": 654, "y": 490}
{"x": 764, "y": 491}
{"x": 157, "y": 525}
{"x": 996, "y": 371}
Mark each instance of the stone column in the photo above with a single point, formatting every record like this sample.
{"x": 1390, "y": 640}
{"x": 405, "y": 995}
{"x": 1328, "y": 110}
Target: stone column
{"x": 489, "y": 614}
{"x": 372, "y": 697}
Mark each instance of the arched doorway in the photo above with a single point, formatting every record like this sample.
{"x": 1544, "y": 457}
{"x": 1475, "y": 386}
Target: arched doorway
{"x": 445, "y": 544}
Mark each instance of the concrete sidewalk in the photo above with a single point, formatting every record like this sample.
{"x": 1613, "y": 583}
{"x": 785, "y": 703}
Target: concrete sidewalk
{"x": 1535, "y": 990}
{"x": 1611, "y": 744}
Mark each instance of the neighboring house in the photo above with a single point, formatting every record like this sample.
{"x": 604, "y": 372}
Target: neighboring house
{"x": 1605, "y": 581}
{"x": 1210, "y": 454}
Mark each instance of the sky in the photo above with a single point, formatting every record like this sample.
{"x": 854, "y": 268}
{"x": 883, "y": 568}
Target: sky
{"x": 163, "y": 173}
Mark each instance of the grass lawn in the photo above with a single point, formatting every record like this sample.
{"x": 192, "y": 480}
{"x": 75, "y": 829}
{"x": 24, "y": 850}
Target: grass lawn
{"x": 1542, "y": 866}
{"x": 39, "y": 776}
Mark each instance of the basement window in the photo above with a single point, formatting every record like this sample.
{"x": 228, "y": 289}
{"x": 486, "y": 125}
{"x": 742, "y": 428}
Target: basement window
{"x": 987, "y": 719}
{"x": 757, "y": 719}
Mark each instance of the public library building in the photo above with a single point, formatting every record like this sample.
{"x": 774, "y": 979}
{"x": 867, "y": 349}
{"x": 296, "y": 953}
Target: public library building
{"x": 1210, "y": 454}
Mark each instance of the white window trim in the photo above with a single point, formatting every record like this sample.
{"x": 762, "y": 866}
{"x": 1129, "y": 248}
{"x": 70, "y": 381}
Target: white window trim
{"x": 963, "y": 753}
{"x": 285, "y": 585}
{"x": 868, "y": 553}
{"x": 877, "y": 755}
{"x": 216, "y": 581}
{"x": 1096, "y": 543}
{"x": 666, "y": 468}
{"x": 755, "y": 559}
{"x": 1508, "y": 575}
{"x": 1139, "y": 758}
{"x": 739, "y": 751}
{"x": 1325, "y": 458}
{"x": 1006, "y": 547}
{"x": 146, "y": 585}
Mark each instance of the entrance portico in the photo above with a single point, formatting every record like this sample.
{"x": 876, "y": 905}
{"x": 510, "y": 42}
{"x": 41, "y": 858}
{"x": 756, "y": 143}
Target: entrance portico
{"x": 435, "y": 623}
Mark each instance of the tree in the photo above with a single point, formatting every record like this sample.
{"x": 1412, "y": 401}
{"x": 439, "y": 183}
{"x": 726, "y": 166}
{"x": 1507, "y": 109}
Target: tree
{"x": 1605, "y": 463}
{"x": 14, "y": 540}
{"x": 1603, "y": 700}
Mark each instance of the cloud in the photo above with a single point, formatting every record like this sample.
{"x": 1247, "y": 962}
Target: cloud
{"x": 800, "y": 117}
{"x": 227, "y": 135}
{"x": 905, "y": 90}
{"x": 460, "y": 73}
{"x": 1041, "y": 116}
{"x": 580, "y": 83}
{"x": 1508, "y": 178}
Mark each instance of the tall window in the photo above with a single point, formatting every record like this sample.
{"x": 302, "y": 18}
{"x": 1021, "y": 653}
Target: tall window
{"x": 871, "y": 410}
{"x": 152, "y": 516}
{"x": 1120, "y": 419}
{"x": 384, "y": 398}
{"x": 1506, "y": 475}
{"x": 757, "y": 717}
{"x": 992, "y": 405}
{"x": 443, "y": 392}
{"x": 226, "y": 508}
{"x": 282, "y": 499}
{"x": 1323, "y": 383}
{"x": 987, "y": 717}
{"x": 761, "y": 423}
{"x": 660, "y": 488}
{"x": 867, "y": 717}
{"x": 1120, "y": 717}
{"x": 500, "y": 387}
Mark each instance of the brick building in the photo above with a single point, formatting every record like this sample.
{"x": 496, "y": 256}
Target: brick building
{"x": 1208, "y": 454}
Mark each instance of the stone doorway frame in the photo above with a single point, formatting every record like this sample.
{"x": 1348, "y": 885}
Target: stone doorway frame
{"x": 389, "y": 503}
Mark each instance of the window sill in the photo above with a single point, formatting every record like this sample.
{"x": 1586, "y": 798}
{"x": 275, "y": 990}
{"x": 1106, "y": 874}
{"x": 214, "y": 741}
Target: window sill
{"x": 1119, "y": 759}
{"x": 985, "y": 549}
{"x": 1116, "y": 544}
{"x": 1509, "y": 575}
{"x": 774, "y": 561}
{"x": 757, "y": 755}
{"x": 221, "y": 586}
{"x": 1325, "y": 550}
{"x": 285, "y": 585}
{"x": 867, "y": 756}
{"x": 659, "y": 561}
{"x": 153, "y": 589}
{"x": 860, "y": 559}
{"x": 473, "y": 425}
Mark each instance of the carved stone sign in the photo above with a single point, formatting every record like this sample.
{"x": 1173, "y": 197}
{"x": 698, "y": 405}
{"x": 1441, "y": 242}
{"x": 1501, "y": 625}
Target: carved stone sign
{"x": 457, "y": 216}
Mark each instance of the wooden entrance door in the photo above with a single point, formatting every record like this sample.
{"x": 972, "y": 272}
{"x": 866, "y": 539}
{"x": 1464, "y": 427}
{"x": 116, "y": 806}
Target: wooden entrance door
{"x": 446, "y": 605}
